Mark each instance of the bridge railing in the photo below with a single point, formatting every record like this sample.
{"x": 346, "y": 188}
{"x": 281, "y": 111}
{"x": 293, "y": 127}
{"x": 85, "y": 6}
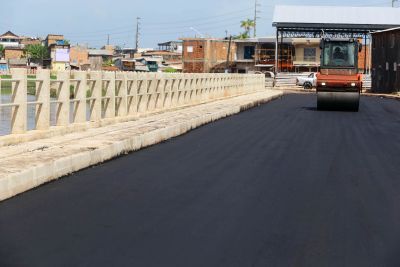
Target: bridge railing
{"x": 43, "y": 101}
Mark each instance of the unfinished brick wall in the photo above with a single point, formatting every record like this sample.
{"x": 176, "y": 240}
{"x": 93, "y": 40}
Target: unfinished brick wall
{"x": 203, "y": 55}
{"x": 79, "y": 55}
{"x": 13, "y": 53}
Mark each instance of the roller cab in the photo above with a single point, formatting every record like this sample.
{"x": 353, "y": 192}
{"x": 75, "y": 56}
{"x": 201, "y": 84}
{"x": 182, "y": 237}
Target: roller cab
{"x": 338, "y": 83}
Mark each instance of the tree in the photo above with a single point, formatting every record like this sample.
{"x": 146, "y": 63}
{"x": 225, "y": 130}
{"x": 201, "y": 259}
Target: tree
{"x": 37, "y": 52}
{"x": 1, "y": 51}
{"x": 108, "y": 63}
{"x": 246, "y": 25}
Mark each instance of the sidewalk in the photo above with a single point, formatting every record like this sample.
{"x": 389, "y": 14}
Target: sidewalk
{"x": 30, "y": 164}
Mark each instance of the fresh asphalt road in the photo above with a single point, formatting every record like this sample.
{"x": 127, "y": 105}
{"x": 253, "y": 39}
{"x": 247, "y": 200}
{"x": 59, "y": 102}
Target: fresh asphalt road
{"x": 279, "y": 185}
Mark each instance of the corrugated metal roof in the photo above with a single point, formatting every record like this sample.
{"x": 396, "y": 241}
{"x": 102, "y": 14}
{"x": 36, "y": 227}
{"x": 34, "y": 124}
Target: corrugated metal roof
{"x": 100, "y": 52}
{"x": 343, "y": 17}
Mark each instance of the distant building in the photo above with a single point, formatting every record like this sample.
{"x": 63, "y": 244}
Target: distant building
{"x": 17, "y": 63}
{"x": 9, "y": 39}
{"x": 53, "y": 39}
{"x": 171, "y": 46}
{"x": 79, "y": 58}
{"x": 97, "y": 57}
{"x": 31, "y": 41}
{"x": 386, "y": 61}
{"x": 59, "y": 50}
{"x": 204, "y": 55}
{"x": 13, "y": 53}
{"x": 294, "y": 55}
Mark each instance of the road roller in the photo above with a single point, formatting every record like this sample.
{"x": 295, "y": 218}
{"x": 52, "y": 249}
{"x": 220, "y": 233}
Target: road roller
{"x": 339, "y": 82}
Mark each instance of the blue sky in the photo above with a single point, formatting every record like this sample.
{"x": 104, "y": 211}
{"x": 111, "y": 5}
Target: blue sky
{"x": 89, "y": 21}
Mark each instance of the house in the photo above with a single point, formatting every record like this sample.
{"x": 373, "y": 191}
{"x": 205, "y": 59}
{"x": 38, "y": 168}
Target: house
{"x": 204, "y": 55}
{"x": 79, "y": 57}
{"x": 59, "y": 50}
{"x": 97, "y": 57}
{"x": 307, "y": 54}
{"x": 17, "y": 63}
{"x": 294, "y": 55}
{"x": 31, "y": 41}
{"x": 9, "y": 39}
{"x": 245, "y": 59}
{"x": 169, "y": 59}
{"x": 14, "y": 52}
{"x": 171, "y": 46}
{"x": 125, "y": 64}
{"x": 258, "y": 54}
{"x": 386, "y": 61}
{"x": 53, "y": 39}
{"x": 152, "y": 63}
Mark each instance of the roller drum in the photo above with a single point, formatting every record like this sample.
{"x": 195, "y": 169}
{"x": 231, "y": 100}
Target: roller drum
{"x": 338, "y": 100}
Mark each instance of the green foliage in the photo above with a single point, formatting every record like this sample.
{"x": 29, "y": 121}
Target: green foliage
{"x": 37, "y": 51}
{"x": 108, "y": 63}
{"x": 170, "y": 70}
{"x": 247, "y": 25}
{"x": 1, "y": 50}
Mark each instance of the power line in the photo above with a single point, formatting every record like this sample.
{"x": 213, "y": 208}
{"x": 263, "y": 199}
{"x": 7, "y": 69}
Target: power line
{"x": 201, "y": 26}
{"x": 162, "y": 23}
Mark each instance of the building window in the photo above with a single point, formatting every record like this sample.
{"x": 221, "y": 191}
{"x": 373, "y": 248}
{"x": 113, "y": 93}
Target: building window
{"x": 249, "y": 52}
{"x": 310, "y": 53}
{"x": 190, "y": 49}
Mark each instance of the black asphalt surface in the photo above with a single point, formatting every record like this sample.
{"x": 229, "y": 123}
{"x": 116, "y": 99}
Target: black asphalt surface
{"x": 279, "y": 185}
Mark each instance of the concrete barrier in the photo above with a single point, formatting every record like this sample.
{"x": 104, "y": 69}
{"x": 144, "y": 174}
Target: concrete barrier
{"x": 90, "y": 99}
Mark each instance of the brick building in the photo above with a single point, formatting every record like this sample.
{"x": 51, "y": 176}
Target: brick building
{"x": 204, "y": 55}
{"x": 79, "y": 57}
{"x": 13, "y": 53}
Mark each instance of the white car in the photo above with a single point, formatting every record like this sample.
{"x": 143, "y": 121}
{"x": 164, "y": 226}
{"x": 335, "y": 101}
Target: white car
{"x": 307, "y": 82}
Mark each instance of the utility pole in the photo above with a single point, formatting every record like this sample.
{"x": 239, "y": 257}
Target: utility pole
{"x": 228, "y": 56}
{"x": 256, "y": 12}
{"x": 108, "y": 39}
{"x": 137, "y": 33}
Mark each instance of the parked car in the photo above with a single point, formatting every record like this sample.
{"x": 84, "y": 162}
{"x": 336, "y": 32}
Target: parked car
{"x": 307, "y": 82}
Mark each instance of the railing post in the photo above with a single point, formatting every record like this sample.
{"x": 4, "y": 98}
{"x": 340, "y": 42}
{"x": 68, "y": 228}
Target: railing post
{"x": 109, "y": 98}
{"x": 151, "y": 91}
{"x": 63, "y": 96}
{"x": 19, "y": 97}
{"x": 142, "y": 95}
{"x": 79, "y": 115}
{"x": 96, "y": 84}
{"x": 174, "y": 90}
{"x": 160, "y": 85}
{"x": 122, "y": 94}
{"x": 42, "y": 111}
{"x": 132, "y": 87}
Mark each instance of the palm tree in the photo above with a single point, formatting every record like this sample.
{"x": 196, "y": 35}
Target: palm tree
{"x": 247, "y": 25}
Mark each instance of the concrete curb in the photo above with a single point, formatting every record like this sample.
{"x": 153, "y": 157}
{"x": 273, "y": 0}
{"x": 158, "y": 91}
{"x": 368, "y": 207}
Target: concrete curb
{"x": 388, "y": 96}
{"x": 28, "y": 179}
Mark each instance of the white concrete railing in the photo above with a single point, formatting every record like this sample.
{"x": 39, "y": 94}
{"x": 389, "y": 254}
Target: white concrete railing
{"x": 103, "y": 95}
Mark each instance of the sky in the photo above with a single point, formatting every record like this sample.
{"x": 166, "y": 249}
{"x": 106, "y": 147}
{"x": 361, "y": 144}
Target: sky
{"x": 91, "y": 21}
